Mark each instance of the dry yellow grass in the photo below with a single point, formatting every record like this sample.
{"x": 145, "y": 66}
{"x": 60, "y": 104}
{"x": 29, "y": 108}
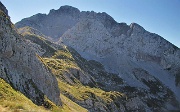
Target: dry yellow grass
{"x": 15, "y": 101}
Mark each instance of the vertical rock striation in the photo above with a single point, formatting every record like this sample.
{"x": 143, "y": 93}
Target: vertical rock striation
{"x": 21, "y": 67}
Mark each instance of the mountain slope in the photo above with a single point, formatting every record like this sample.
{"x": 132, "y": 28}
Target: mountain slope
{"x": 145, "y": 61}
{"x": 21, "y": 67}
{"x": 113, "y": 57}
{"x": 63, "y": 65}
{"x": 88, "y": 84}
{"x": 37, "y": 40}
{"x": 12, "y": 100}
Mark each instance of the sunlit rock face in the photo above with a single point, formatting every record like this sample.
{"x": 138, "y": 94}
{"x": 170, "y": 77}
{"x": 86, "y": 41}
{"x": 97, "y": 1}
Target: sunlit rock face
{"x": 21, "y": 67}
{"x": 148, "y": 65}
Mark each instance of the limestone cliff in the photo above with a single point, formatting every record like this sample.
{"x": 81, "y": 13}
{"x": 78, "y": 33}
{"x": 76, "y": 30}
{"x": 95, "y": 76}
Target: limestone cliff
{"x": 22, "y": 67}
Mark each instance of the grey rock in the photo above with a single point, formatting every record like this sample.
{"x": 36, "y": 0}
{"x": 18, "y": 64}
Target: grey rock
{"x": 3, "y": 8}
{"x": 59, "y": 21}
{"x": 22, "y": 68}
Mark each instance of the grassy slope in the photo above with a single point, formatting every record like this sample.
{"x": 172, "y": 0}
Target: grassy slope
{"x": 70, "y": 106}
{"x": 81, "y": 92}
{"x": 61, "y": 62}
{"x": 14, "y": 101}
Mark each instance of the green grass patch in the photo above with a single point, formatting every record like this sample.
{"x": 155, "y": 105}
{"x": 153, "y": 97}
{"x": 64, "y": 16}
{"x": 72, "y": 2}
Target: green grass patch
{"x": 81, "y": 92}
{"x": 61, "y": 62}
{"x": 15, "y": 101}
{"x": 63, "y": 54}
{"x": 57, "y": 66}
{"x": 70, "y": 106}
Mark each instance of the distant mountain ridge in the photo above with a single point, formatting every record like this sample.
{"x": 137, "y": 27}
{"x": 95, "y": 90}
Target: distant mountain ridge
{"x": 147, "y": 64}
{"x": 65, "y": 17}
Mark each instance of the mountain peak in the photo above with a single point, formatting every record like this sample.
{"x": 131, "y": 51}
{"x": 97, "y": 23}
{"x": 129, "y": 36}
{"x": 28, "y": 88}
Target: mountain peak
{"x": 67, "y": 7}
{"x": 132, "y": 25}
{"x": 65, "y": 10}
{"x": 136, "y": 27}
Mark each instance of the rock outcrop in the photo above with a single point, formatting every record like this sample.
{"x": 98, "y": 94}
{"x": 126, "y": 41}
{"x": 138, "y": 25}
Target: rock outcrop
{"x": 22, "y": 67}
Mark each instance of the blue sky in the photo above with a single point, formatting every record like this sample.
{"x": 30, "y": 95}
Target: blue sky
{"x": 157, "y": 16}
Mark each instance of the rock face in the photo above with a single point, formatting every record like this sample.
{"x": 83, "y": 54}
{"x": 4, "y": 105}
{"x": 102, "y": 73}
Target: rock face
{"x": 46, "y": 22}
{"x": 65, "y": 18}
{"x": 144, "y": 60}
{"x": 121, "y": 54}
{"x": 147, "y": 64}
{"x": 3, "y": 8}
{"x": 21, "y": 67}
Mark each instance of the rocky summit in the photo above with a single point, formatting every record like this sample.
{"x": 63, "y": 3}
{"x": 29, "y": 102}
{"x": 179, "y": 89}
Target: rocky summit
{"x": 99, "y": 64}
